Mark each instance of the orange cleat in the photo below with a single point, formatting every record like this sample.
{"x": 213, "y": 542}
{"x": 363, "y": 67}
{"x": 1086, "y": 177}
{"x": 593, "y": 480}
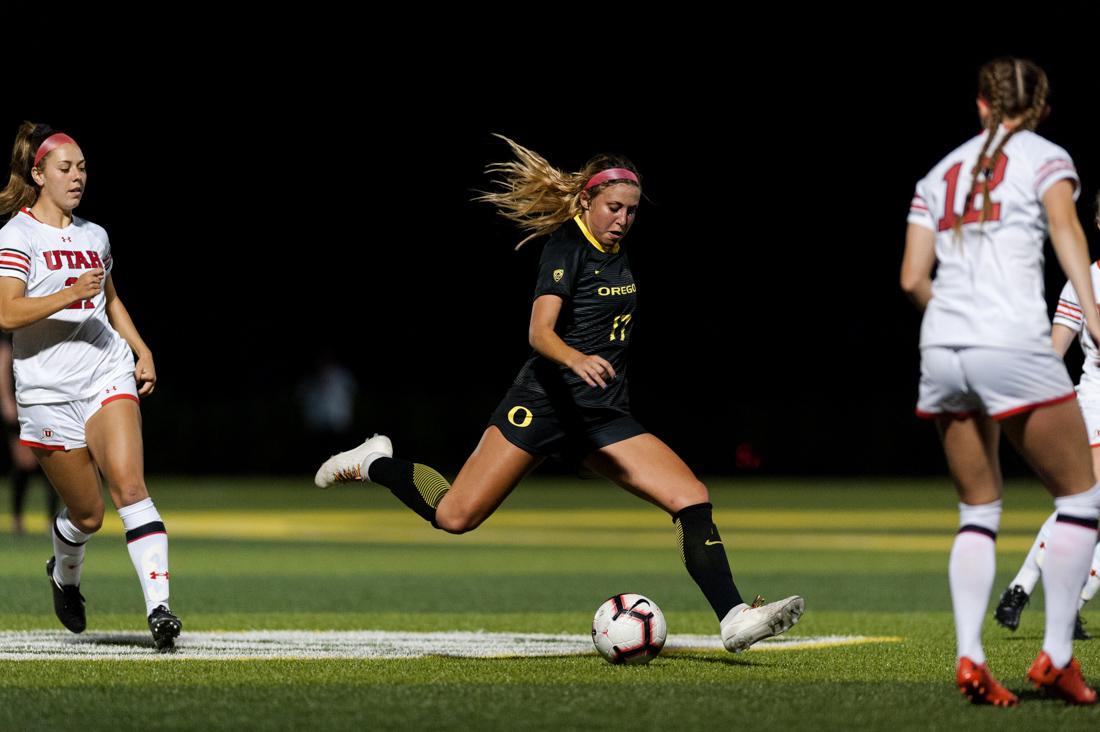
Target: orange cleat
{"x": 977, "y": 684}
{"x": 1065, "y": 683}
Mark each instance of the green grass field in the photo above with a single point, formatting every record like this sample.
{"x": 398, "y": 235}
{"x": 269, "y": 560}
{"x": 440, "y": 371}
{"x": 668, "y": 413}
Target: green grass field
{"x": 869, "y": 556}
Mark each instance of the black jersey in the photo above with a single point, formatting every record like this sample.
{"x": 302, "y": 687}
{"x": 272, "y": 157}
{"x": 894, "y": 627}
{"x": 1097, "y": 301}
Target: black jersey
{"x": 597, "y": 290}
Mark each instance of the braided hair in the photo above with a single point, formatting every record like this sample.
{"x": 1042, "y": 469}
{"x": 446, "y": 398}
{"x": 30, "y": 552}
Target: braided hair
{"x": 1014, "y": 89}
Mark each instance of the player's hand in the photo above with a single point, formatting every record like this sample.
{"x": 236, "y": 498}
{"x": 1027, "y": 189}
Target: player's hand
{"x": 145, "y": 373}
{"x": 595, "y": 370}
{"x": 89, "y": 284}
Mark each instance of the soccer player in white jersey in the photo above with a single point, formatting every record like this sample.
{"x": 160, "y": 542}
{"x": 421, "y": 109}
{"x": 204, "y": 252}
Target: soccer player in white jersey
{"x": 1068, "y": 324}
{"x": 77, "y": 382}
{"x": 979, "y": 218}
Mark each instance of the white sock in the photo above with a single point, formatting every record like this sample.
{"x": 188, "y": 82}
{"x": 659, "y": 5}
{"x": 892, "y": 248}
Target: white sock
{"x": 1028, "y": 576}
{"x": 970, "y": 573}
{"x": 1068, "y": 555}
{"x": 1092, "y": 584}
{"x": 68, "y": 550}
{"x": 147, "y": 541}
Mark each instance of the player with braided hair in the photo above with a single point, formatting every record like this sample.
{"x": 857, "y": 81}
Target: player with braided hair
{"x": 980, "y": 218}
{"x": 570, "y": 398}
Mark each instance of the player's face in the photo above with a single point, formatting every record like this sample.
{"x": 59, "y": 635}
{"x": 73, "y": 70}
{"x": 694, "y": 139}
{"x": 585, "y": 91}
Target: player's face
{"x": 610, "y": 214}
{"x": 63, "y": 176}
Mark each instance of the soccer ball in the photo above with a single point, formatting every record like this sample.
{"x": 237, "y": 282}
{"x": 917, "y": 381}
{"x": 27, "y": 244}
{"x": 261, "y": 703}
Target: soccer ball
{"x": 629, "y": 629}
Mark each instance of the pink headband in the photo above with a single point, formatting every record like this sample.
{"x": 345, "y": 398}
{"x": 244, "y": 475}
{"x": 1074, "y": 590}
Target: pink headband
{"x": 610, "y": 174}
{"x": 55, "y": 140}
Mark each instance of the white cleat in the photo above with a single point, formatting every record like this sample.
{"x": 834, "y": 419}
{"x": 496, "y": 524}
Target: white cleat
{"x": 348, "y": 465}
{"x": 745, "y": 625}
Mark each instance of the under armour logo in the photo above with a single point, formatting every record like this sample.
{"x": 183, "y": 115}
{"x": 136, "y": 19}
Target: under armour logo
{"x": 154, "y": 574}
{"x": 68, "y": 239}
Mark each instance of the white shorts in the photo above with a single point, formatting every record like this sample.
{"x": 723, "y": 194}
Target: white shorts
{"x": 997, "y": 382}
{"x": 60, "y": 426}
{"x": 1090, "y": 409}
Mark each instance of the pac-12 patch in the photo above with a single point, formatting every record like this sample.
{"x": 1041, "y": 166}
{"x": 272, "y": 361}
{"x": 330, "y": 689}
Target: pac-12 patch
{"x": 558, "y": 274}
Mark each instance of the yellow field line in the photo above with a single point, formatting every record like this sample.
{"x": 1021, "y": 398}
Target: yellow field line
{"x": 793, "y": 644}
{"x": 875, "y": 531}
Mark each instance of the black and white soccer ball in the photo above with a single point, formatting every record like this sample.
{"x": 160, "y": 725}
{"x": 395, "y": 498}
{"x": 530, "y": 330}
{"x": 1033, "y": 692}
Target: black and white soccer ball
{"x": 629, "y": 629}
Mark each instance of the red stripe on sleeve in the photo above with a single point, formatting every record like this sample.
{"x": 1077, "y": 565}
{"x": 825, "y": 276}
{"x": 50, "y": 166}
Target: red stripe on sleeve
{"x": 13, "y": 253}
{"x": 1066, "y": 304}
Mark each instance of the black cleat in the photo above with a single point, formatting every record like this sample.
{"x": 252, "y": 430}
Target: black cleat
{"x": 1079, "y": 632}
{"x": 68, "y": 603}
{"x": 165, "y": 627}
{"x": 1010, "y": 607}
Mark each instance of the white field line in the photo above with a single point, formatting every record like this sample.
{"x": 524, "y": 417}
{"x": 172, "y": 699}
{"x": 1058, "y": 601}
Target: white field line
{"x": 44, "y": 645}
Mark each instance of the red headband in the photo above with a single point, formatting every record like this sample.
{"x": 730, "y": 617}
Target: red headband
{"x": 610, "y": 174}
{"x": 55, "y": 140}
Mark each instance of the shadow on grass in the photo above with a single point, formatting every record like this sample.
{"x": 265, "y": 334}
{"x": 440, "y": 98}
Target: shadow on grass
{"x": 127, "y": 641}
{"x": 727, "y": 660}
{"x": 1030, "y": 638}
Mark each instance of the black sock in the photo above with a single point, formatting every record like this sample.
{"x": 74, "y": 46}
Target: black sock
{"x": 704, "y": 556}
{"x": 417, "y": 486}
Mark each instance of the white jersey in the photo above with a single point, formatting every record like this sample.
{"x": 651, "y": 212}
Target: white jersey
{"x": 75, "y": 352}
{"x": 1070, "y": 314}
{"x": 988, "y": 289}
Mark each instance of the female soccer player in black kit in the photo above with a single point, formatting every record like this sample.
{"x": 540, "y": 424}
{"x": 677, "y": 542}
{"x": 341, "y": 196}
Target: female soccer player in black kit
{"x": 571, "y": 396}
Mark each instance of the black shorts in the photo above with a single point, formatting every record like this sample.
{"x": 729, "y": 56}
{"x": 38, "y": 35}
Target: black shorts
{"x": 545, "y": 426}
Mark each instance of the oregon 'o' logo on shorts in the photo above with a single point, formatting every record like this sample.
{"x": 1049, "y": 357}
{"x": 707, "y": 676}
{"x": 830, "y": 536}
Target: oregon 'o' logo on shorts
{"x": 520, "y": 416}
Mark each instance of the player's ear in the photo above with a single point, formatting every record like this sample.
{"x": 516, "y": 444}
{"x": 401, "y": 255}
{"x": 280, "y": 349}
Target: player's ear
{"x": 983, "y": 108}
{"x": 38, "y": 176}
{"x": 586, "y": 200}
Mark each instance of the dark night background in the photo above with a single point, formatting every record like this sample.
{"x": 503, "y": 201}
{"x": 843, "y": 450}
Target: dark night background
{"x": 275, "y": 208}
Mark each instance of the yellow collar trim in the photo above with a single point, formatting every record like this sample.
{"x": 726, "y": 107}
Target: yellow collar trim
{"x": 593, "y": 240}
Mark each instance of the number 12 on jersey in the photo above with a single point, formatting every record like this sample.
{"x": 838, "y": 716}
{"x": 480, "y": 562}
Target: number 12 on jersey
{"x": 973, "y": 214}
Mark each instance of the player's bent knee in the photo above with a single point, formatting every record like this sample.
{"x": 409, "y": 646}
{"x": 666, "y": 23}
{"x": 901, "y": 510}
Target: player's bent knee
{"x": 691, "y": 495}
{"x": 88, "y": 520}
{"x": 454, "y": 524}
{"x": 456, "y": 520}
{"x": 131, "y": 492}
